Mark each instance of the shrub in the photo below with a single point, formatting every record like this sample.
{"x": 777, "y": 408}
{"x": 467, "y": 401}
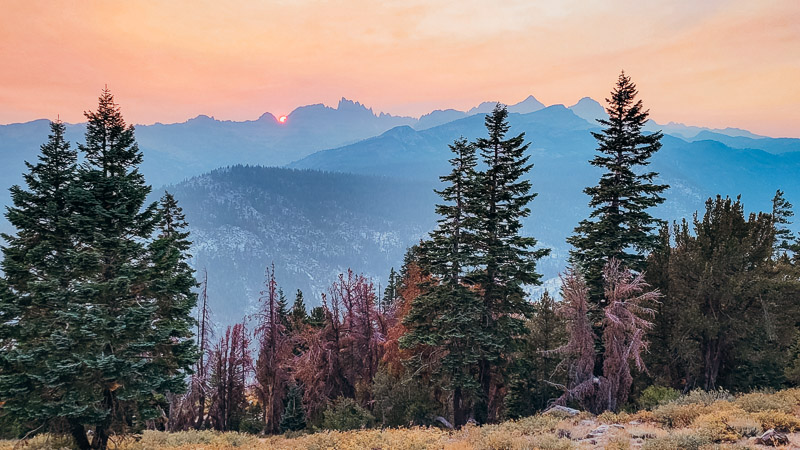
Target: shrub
{"x": 45, "y": 441}
{"x": 758, "y": 401}
{"x": 656, "y": 395}
{"x": 619, "y": 441}
{"x": 683, "y": 440}
{"x": 535, "y": 424}
{"x": 676, "y": 415}
{"x": 791, "y": 396}
{"x": 644, "y": 416}
{"x": 400, "y": 402}
{"x": 778, "y": 420}
{"x": 718, "y": 425}
{"x": 550, "y": 442}
{"x": 745, "y": 426}
{"x": 702, "y": 397}
{"x": 160, "y": 439}
{"x": 609, "y": 417}
{"x": 345, "y": 414}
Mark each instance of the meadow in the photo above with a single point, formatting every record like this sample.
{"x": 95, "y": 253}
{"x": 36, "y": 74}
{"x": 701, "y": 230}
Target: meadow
{"x": 698, "y": 420}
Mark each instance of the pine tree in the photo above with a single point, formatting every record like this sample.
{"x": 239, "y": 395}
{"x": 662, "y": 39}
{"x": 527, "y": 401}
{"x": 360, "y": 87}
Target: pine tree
{"x": 283, "y": 310}
{"x": 390, "y": 293}
{"x": 298, "y": 314}
{"x": 619, "y": 225}
{"x": 39, "y": 269}
{"x": 171, "y": 284}
{"x": 316, "y": 318}
{"x": 110, "y": 334}
{"x": 781, "y": 217}
{"x": 732, "y": 299}
{"x": 527, "y": 394}
{"x": 294, "y": 415}
{"x": 442, "y": 319}
{"x": 504, "y": 260}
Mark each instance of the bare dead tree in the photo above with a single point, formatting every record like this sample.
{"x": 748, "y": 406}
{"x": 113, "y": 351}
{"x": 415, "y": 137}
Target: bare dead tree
{"x": 274, "y": 355}
{"x": 188, "y": 410}
{"x": 230, "y": 366}
{"x": 624, "y": 325}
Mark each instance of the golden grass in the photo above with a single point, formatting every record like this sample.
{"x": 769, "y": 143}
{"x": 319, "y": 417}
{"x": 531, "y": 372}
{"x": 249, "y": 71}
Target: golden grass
{"x": 698, "y": 420}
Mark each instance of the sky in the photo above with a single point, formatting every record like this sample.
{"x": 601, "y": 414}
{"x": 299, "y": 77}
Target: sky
{"x": 701, "y": 62}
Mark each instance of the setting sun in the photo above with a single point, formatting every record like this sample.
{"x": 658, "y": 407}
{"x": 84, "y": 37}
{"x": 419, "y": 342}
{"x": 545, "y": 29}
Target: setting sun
{"x": 282, "y": 119}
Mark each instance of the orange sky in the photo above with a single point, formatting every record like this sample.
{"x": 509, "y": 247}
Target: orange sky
{"x": 702, "y": 62}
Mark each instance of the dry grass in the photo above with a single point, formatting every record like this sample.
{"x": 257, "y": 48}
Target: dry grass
{"x": 696, "y": 421}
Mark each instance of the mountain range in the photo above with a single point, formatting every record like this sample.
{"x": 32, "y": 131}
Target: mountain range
{"x": 356, "y": 188}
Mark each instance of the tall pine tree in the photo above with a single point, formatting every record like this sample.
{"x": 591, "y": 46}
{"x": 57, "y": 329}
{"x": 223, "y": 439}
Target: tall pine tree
{"x": 442, "y": 319}
{"x": 390, "y": 293}
{"x": 39, "y": 269}
{"x": 110, "y": 335}
{"x": 619, "y": 225}
{"x": 171, "y": 283}
{"x": 503, "y": 260}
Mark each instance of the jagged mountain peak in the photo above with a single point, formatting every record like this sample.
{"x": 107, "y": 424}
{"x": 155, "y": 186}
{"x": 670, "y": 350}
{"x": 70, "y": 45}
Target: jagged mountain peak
{"x": 529, "y": 105}
{"x": 589, "y": 109}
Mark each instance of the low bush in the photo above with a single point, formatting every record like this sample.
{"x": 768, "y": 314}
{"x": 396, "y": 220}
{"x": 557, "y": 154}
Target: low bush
{"x": 537, "y": 424}
{"x": 619, "y": 441}
{"x": 654, "y": 396}
{"x": 609, "y": 417}
{"x": 778, "y": 420}
{"x": 45, "y": 441}
{"x": 759, "y": 401}
{"x": 675, "y": 415}
{"x": 643, "y": 416}
{"x": 345, "y": 414}
{"x": 702, "y": 397}
{"x": 550, "y": 442}
{"x": 683, "y": 440}
{"x": 718, "y": 425}
{"x": 160, "y": 439}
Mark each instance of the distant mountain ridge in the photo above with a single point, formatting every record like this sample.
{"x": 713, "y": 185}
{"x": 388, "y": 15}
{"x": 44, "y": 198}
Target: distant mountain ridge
{"x": 312, "y": 225}
{"x": 561, "y": 147}
{"x": 358, "y": 189}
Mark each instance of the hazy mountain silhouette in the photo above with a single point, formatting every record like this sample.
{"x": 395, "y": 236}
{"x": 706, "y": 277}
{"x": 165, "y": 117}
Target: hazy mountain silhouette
{"x": 315, "y": 224}
{"x": 588, "y": 109}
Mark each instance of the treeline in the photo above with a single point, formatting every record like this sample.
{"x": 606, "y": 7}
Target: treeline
{"x": 96, "y": 330}
{"x": 96, "y": 294}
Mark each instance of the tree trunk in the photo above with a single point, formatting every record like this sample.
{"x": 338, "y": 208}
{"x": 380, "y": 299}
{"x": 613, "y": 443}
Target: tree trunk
{"x": 482, "y": 411}
{"x": 713, "y": 362}
{"x": 201, "y": 412}
{"x": 459, "y": 415}
{"x": 100, "y": 439}
{"x": 78, "y": 433}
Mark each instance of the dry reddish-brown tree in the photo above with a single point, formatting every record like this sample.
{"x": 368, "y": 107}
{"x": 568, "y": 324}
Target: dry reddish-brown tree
{"x": 579, "y": 352}
{"x": 408, "y": 290}
{"x": 230, "y": 366}
{"x": 344, "y": 354}
{"x": 188, "y": 410}
{"x": 274, "y": 355}
{"x": 624, "y": 325}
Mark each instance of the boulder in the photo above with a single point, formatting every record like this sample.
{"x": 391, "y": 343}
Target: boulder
{"x": 772, "y": 438}
{"x": 563, "y": 410}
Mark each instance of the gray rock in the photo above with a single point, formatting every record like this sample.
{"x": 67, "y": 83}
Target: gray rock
{"x": 562, "y": 409}
{"x": 772, "y": 438}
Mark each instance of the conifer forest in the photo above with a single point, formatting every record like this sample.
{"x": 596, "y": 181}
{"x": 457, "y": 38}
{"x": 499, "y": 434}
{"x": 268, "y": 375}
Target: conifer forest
{"x": 107, "y": 331}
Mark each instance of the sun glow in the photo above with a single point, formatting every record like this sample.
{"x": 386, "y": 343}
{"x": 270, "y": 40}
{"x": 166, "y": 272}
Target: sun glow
{"x": 282, "y": 119}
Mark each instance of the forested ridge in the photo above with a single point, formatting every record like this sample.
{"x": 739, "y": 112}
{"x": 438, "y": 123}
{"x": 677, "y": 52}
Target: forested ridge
{"x": 106, "y": 330}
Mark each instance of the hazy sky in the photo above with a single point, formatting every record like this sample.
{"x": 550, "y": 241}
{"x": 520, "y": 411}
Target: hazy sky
{"x": 702, "y": 62}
